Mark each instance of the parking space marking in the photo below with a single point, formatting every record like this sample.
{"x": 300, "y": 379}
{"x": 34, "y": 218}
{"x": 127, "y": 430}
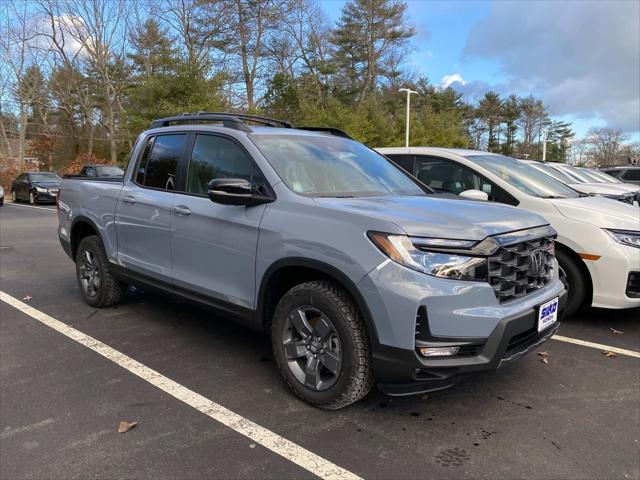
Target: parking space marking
{"x": 599, "y": 346}
{"x": 268, "y": 439}
{"x": 31, "y": 206}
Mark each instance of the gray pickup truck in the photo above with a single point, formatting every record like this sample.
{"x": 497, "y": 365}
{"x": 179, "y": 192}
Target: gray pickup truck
{"x": 360, "y": 274}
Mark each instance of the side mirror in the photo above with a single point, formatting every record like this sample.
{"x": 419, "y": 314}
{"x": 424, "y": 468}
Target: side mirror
{"x": 235, "y": 191}
{"x": 474, "y": 195}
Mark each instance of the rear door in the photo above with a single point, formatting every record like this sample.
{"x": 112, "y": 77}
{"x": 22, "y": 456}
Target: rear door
{"x": 214, "y": 246}
{"x": 143, "y": 210}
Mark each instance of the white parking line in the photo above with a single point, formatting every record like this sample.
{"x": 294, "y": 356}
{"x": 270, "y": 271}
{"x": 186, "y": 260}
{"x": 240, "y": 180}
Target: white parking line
{"x": 599, "y": 346}
{"x": 268, "y": 439}
{"x": 31, "y": 206}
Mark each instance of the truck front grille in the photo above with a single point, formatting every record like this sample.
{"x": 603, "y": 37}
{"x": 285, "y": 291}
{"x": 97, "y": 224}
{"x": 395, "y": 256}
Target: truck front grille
{"x": 521, "y": 268}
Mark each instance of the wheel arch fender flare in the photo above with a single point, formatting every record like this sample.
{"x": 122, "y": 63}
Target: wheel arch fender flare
{"x": 328, "y": 271}
{"x": 73, "y": 232}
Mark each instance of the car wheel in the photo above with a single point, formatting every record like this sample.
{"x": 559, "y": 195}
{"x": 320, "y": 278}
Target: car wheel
{"x": 574, "y": 281}
{"x": 14, "y": 197}
{"x": 32, "y": 198}
{"x": 93, "y": 273}
{"x": 320, "y": 345}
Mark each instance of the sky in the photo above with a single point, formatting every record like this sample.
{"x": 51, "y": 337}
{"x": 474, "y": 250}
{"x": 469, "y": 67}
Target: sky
{"x": 581, "y": 57}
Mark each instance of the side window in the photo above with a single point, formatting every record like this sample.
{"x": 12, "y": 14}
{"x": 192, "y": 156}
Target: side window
{"x": 216, "y": 157}
{"x": 158, "y": 170}
{"x": 90, "y": 172}
{"x": 403, "y": 161}
{"x": 631, "y": 174}
{"x": 22, "y": 178}
{"x": 446, "y": 176}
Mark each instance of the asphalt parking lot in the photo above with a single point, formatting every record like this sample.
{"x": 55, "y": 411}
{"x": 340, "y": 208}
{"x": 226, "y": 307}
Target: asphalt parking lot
{"x": 577, "y": 416}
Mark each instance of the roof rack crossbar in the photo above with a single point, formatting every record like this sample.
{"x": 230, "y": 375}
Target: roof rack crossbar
{"x": 330, "y": 130}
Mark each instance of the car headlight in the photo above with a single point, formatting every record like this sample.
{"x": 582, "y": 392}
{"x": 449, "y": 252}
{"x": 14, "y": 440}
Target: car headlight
{"x": 41, "y": 190}
{"x": 455, "y": 266}
{"x": 626, "y": 237}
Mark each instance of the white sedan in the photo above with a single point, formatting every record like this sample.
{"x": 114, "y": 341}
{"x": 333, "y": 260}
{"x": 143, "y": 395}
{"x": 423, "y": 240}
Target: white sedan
{"x": 598, "y": 244}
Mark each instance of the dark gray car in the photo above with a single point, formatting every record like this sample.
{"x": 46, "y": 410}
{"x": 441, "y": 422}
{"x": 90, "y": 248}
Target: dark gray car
{"x": 357, "y": 271}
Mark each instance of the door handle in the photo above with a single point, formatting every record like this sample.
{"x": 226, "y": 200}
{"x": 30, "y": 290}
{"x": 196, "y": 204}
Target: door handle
{"x": 129, "y": 199}
{"x": 182, "y": 210}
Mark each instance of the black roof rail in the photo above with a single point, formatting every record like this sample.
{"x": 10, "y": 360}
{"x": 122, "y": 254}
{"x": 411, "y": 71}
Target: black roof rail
{"x": 237, "y": 121}
{"x": 329, "y": 130}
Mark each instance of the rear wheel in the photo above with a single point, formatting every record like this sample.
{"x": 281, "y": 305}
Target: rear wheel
{"x": 96, "y": 283}
{"x": 575, "y": 281}
{"x": 320, "y": 345}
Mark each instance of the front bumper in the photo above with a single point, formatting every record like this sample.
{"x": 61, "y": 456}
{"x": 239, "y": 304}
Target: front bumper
{"x": 45, "y": 197}
{"x": 610, "y": 276}
{"x": 405, "y": 372}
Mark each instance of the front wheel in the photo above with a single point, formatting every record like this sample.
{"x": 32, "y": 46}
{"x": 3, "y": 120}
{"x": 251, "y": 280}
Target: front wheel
{"x": 320, "y": 345}
{"x": 575, "y": 281}
{"x": 93, "y": 273}
{"x": 32, "y": 198}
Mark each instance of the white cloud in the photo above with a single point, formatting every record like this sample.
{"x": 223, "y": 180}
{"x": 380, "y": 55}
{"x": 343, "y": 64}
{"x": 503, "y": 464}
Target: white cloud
{"x": 581, "y": 58}
{"x": 448, "y": 80}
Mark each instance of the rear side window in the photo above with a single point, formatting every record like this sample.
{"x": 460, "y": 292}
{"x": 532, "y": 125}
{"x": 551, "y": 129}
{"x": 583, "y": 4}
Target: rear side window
{"x": 216, "y": 157}
{"x": 159, "y": 161}
{"x": 631, "y": 174}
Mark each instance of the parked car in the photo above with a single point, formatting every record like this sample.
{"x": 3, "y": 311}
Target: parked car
{"x": 598, "y": 239}
{"x": 593, "y": 188}
{"x": 580, "y": 176}
{"x": 357, "y": 271}
{"x": 629, "y": 174}
{"x": 1, "y": 196}
{"x": 101, "y": 171}
{"x": 35, "y": 187}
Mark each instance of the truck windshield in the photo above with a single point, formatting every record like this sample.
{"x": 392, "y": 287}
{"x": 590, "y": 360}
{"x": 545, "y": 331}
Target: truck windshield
{"x": 325, "y": 166}
{"x": 44, "y": 177}
{"x": 524, "y": 177}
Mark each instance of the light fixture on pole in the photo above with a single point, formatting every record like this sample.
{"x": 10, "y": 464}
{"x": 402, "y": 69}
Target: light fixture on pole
{"x": 409, "y": 92}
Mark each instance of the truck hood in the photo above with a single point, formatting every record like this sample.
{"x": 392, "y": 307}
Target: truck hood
{"x": 601, "y": 212}
{"x": 430, "y": 216}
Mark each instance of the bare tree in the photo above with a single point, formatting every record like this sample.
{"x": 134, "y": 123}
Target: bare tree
{"x": 99, "y": 28}
{"x": 20, "y": 59}
{"x": 606, "y": 144}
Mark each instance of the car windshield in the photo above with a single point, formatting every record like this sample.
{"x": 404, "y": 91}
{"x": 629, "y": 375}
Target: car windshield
{"x": 524, "y": 177}
{"x": 601, "y": 177}
{"x": 573, "y": 172}
{"x": 552, "y": 172}
{"x": 330, "y": 166}
{"x": 108, "y": 171}
{"x": 44, "y": 177}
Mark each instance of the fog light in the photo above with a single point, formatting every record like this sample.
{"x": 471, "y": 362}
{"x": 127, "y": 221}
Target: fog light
{"x": 438, "y": 351}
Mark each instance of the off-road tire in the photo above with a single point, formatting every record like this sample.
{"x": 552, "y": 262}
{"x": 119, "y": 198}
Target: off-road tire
{"x": 110, "y": 290}
{"x": 356, "y": 376}
{"x": 576, "y": 284}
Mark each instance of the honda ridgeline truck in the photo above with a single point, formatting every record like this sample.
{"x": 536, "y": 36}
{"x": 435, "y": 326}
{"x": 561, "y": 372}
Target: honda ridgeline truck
{"x": 360, "y": 274}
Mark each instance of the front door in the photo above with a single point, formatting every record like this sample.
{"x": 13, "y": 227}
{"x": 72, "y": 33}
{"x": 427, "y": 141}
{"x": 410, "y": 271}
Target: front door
{"x": 143, "y": 210}
{"x": 214, "y": 246}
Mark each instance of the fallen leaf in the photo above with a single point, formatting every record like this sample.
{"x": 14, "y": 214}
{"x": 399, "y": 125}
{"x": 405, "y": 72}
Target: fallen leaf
{"x": 252, "y": 445}
{"x": 27, "y": 297}
{"x": 616, "y": 332}
{"x": 543, "y": 354}
{"x": 607, "y": 353}
{"x": 126, "y": 426}
{"x": 544, "y": 360}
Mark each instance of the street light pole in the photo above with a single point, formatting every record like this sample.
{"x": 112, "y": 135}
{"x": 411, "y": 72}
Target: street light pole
{"x": 409, "y": 92}
{"x": 544, "y": 145}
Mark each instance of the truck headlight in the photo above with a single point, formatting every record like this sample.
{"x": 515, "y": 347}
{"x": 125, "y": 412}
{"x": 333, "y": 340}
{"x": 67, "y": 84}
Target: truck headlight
{"x": 455, "y": 266}
{"x": 626, "y": 237}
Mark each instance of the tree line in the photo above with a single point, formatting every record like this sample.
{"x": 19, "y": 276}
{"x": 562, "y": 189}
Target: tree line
{"x": 84, "y": 77}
